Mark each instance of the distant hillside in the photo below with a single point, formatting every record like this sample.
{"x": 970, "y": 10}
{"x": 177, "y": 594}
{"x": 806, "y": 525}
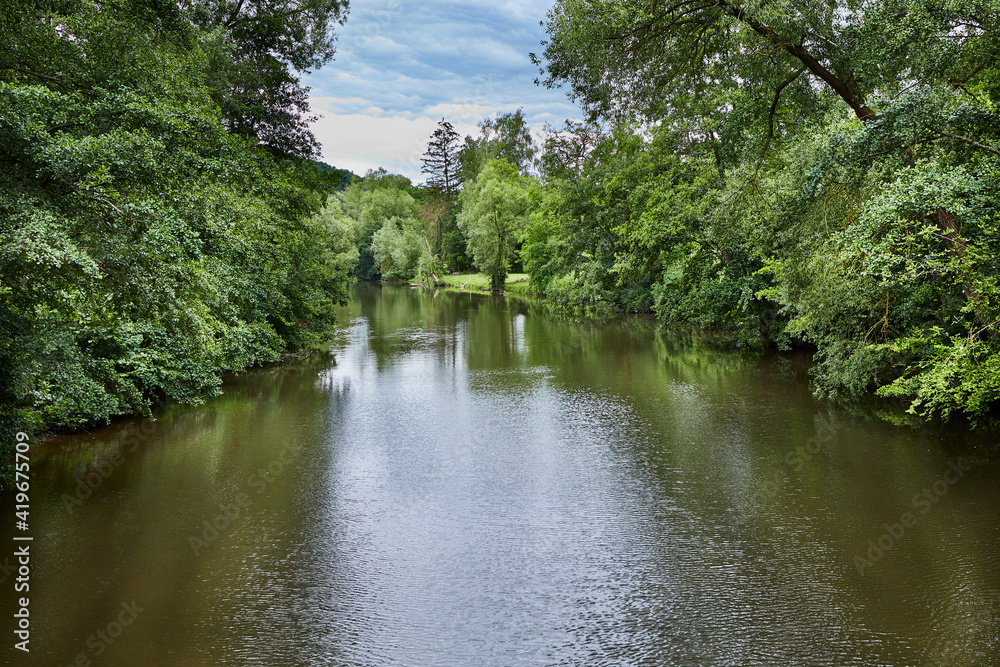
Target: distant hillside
{"x": 341, "y": 177}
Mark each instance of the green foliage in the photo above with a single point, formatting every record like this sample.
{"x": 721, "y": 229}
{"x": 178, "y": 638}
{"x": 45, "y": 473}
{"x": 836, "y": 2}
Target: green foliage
{"x": 506, "y": 137}
{"x": 441, "y": 163}
{"x": 383, "y": 214}
{"x": 565, "y": 151}
{"x": 430, "y": 269}
{"x": 144, "y": 249}
{"x": 256, "y": 50}
{"x": 337, "y": 179}
{"x": 397, "y": 248}
{"x": 443, "y": 167}
{"x": 495, "y": 208}
{"x": 825, "y": 173}
{"x": 658, "y": 240}
{"x": 900, "y": 302}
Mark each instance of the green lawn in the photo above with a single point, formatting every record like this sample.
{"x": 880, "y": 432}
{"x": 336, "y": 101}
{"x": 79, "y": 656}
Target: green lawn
{"x": 479, "y": 282}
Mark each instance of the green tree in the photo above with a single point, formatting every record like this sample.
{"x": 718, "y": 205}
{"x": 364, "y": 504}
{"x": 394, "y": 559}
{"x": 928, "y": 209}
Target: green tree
{"x": 565, "y": 151}
{"x": 444, "y": 180}
{"x": 144, "y": 249}
{"x": 386, "y": 228}
{"x": 495, "y": 208}
{"x": 397, "y": 249}
{"x": 257, "y": 50}
{"x": 855, "y": 145}
{"x": 505, "y": 137}
{"x": 441, "y": 163}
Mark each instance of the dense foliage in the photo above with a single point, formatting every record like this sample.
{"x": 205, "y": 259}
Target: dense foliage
{"x": 470, "y": 212}
{"x": 146, "y": 245}
{"x": 787, "y": 171}
{"x": 256, "y": 50}
{"x": 495, "y": 207}
{"x": 776, "y": 173}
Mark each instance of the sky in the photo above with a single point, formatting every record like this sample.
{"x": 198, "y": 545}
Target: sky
{"x": 402, "y": 66}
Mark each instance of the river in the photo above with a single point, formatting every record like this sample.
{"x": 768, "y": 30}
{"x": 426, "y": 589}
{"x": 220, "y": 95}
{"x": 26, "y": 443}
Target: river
{"x": 474, "y": 482}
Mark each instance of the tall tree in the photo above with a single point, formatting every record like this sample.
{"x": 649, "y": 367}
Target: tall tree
{"x": 743, "y": 61}
{"x": 440, "y": 162}
{"x": 506, "y": 137}
{"x": 866, "y": 133}
{"x": 144, "y": 249}
{"x": 444, "y": 170}
{"x": 495, "y": 209}
{"x": 257, "y": 51}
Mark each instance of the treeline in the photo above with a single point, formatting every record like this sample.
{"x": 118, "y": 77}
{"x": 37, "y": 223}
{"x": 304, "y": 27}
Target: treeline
{"x": 160, "y": 218}
{"x": 822, "y": 172}
{"x": 470, "y": 212}
{"x": 776, "y": 173}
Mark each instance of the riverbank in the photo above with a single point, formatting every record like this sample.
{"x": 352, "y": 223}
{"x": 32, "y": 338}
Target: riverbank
{"x": 517, "y": 283}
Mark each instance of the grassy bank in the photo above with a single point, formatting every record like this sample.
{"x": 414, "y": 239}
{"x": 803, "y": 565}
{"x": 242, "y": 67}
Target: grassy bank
{"x": 517, "y": 283}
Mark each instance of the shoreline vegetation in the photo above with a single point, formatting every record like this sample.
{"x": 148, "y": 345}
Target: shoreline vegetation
{"x": 517, "y": 284}
{"x": 160, "y": 204}
{"x": 825, "y": 178}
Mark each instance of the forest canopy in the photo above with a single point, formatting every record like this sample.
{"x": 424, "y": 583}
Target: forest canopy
{"x": 856, "y": 156}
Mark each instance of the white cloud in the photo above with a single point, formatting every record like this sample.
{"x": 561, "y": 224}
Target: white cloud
{"x": 336, "y": 104}
{"x": 360, "y": 142}
{"x": 404, "y": 66}
{"x": 455, "y": 111}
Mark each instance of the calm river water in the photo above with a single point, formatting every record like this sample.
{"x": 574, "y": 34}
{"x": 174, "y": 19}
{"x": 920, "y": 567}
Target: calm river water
{"x": 467, "y": 482}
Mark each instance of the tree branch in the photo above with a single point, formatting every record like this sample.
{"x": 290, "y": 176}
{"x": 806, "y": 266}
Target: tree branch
{"x": 24, "y": 70}
{"x": 774, "y": 105}
{"x": 843, "y": 89}
{"x": 971, "y": 142}
{"x": 770, "y": 117}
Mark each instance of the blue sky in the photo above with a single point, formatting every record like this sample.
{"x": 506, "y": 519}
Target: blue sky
{"x": 402, "y": 66}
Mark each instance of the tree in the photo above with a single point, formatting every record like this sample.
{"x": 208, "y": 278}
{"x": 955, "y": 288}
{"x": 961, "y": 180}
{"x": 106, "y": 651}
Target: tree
{"x": 855, "y": 146}
{"x": 397, "y": 247}
{"x": 495, "y": 208}
{"x": 144, "y": 249}
{"x": 256, "y": 51}
{"x": 505, "y": 137}
{"x": 378, "y": 200}
{"x": 441, "y": 163}
{"x": 699, "y": 61}
{"x": 565, "y": 150}
{"x": 437, "y": 214}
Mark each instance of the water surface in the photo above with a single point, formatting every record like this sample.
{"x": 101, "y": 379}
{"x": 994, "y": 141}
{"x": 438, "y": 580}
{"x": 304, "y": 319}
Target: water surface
{"x": 471, "y": 482}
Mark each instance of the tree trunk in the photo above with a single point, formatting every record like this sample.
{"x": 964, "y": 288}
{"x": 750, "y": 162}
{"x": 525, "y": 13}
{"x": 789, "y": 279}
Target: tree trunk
{"x": 497, "y": 286}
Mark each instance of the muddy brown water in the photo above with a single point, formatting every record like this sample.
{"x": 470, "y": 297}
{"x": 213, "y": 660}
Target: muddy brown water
{"x": 475, "y": 482}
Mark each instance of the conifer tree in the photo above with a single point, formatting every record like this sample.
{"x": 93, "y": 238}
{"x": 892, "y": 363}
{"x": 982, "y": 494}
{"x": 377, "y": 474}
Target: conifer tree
{"x": 441, "y": 160}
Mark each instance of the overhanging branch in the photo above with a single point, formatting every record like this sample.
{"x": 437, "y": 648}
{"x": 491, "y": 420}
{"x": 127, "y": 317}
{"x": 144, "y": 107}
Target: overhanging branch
{"x": 845, "y": 91}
